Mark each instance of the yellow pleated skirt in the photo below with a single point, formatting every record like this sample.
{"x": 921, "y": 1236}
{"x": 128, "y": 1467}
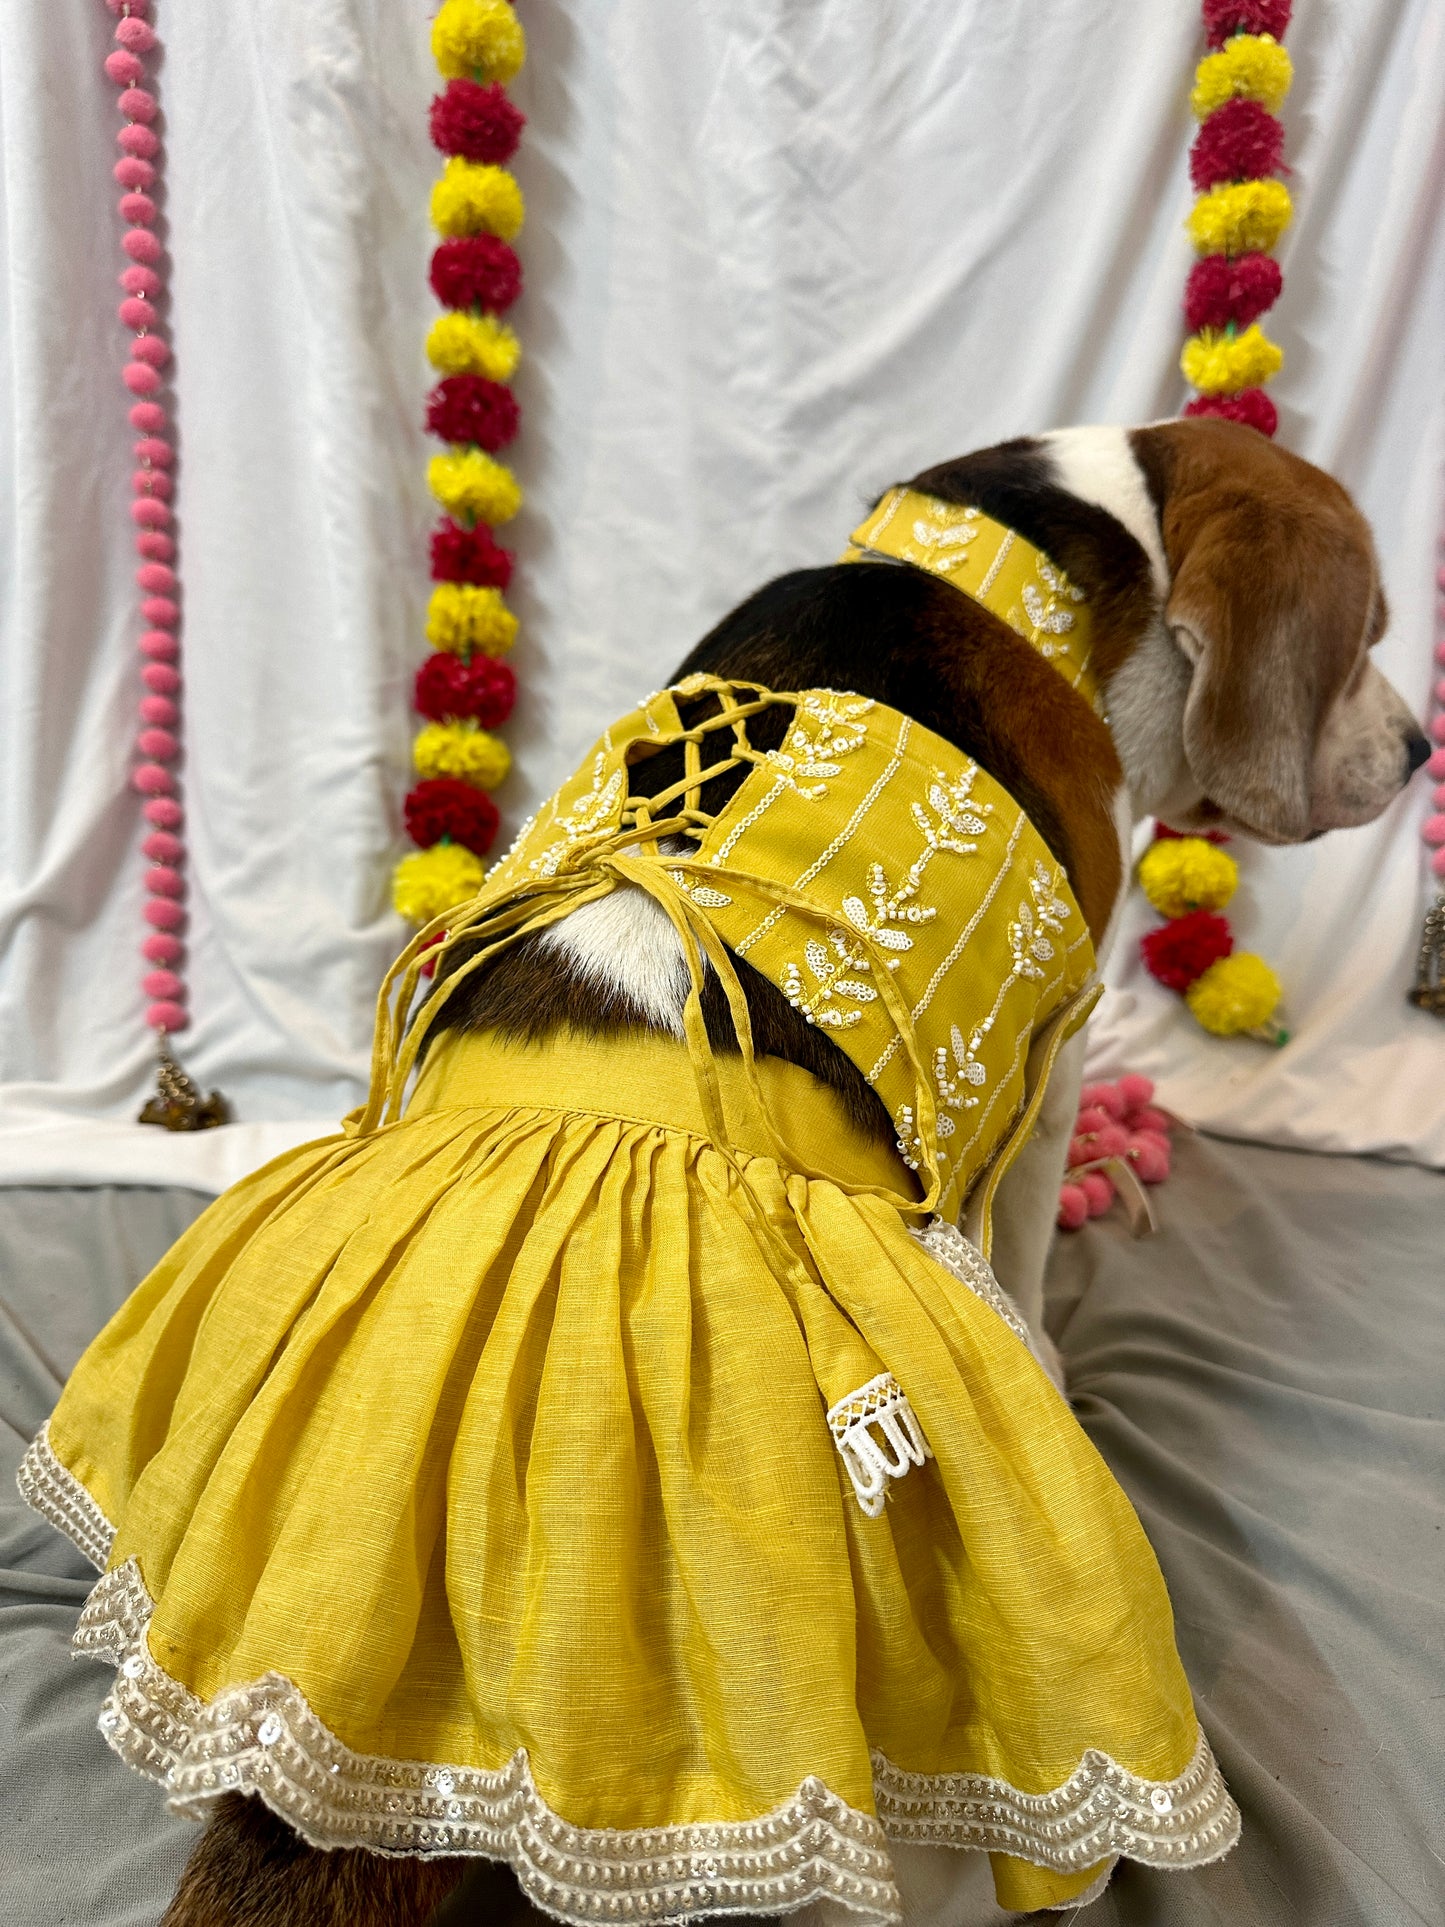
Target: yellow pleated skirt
{"x": 467, "y": 1486}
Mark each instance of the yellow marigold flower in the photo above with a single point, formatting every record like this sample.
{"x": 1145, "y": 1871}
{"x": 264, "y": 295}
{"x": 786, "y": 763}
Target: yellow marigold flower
{"x": 461, "y": 618}
{"x": 1221, "y": 364}
{"x": 1252, "y": 66}
{"x": 461, "y": 749}
{"x": 429, "y": 882}
{"x": 473, "y": 198}
{"x": 1239, "y": 992}
{"x": 1240, "y": 217}
{"x": 461, "y": 343}
{"x": 1184, "y": 873}
{"x": 480, "y": 38}
{"x": 472, "y": 487}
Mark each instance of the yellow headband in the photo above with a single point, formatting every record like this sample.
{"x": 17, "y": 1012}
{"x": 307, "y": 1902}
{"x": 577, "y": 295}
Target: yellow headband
{"x": 993, "y": 565}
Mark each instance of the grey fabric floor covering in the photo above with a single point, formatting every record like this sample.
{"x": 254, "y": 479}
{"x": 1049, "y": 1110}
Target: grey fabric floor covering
{"x": 1267, "y": 1379}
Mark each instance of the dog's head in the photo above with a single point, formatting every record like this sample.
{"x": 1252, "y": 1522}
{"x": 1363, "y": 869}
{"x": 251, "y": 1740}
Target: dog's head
{"x": 1254, "y": 703}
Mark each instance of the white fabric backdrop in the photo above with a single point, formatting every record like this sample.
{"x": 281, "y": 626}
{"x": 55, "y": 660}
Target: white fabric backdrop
{"x": 778, "y": 255}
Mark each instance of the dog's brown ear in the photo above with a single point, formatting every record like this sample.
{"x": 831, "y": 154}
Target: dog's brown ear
{"x": 1250, "y": 718}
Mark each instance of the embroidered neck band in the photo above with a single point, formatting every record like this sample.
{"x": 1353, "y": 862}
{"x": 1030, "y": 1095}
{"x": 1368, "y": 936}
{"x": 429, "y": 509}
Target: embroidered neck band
{"x": 992, "y": 564}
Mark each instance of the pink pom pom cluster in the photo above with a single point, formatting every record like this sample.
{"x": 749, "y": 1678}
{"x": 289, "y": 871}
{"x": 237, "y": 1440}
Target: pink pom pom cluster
{"x": 1433, "y": 828}
{"x": 157, "y": 741}
{"x": 1115, "y": 1121}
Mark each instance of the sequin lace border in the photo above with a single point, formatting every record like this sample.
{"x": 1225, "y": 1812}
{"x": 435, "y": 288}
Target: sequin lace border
{"x": 264, "y": 1739}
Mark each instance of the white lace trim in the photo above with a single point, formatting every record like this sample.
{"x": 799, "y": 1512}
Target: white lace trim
{"x": 57, "y": 1495}
{"x": 263, "y": 1739}
{"x": 879, "y": 1404}
{"x": 946, "y": 1243}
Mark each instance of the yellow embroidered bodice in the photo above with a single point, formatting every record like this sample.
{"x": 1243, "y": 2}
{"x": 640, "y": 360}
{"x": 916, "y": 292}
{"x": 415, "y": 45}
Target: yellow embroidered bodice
{"x": 995, "y": 566}
{"x": 893, "y": 892}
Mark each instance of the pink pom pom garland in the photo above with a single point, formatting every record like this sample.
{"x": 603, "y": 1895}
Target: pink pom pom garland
{"x": 158, "y": 741}
{"x": 476, "y": 277}
{"x": 1120, "y": 1143}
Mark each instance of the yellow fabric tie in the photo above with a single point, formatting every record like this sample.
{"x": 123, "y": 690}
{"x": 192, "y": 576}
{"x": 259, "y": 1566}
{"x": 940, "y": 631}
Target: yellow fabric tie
{"x": 995, "y": 566}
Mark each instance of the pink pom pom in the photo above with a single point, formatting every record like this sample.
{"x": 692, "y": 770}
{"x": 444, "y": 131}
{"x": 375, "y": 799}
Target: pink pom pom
{"x": 158, "y": 547}
{"x": 151, "y": 348}
{"x": 161, "y": 948}
{"x": 157, "y": 576}
{"x": 1111, "y": 1142}
{"x": 1081, "y": 1149}
{"x": 141, "y": 245}
{"x": 1098, "y": 1192}
{"x": 164, "y": 811}
{"x": 1149, "y": 1119}
{"x": 139, "y": 378}
{"x": 1135, "y": 1090}
{"x": 1440, "y": 649}
{"x": 150, "y": 514}
{"x": 1436, "y": 764}
{"x": 1437, "y": 796}
{"x": 136, "y": 104}
{"x": 147, "y": 416}
{"x": 134, "y": 33}
{"x": 151, "y": 481}
{"x": 1437, "y": 728}
{"x": 137, "y": 209}
{"x": 160, "y": 677}
{"x": 167, "y": 1016}
{"x": 159, "y": 743}
{"x": 161, "y": 610}
{"x": 1433, "y": 829}
{"x": 159, "y": 710}
{"x": 161, "y": 847}
{"x": 1093, "y": 1117}
{"x": 1073, "y": 1207}
{"x": 152, "y": 449}
{"x": 161, "y": 914}
{"x": 163, "y": 881}
{"x": 132, "y": 171}
{"x": 1108, "y": 1097}
{"x": 1149, "y": 1156}
{"x": 1437, "y": 863}
{"x": 1440, "y": 690}
{"x": 136, "y": 313}
{"x": 162, "y": 983}
{"x": 159, "y": 646}
{"x": 137, "y": 139}
{"x": 151, "y": 780}
{"x": 124, "y": 69}
{"x": 140, "y": 280}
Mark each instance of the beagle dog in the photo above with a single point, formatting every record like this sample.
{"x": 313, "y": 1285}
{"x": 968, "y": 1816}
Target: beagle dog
{"x": 1235, "y": 596}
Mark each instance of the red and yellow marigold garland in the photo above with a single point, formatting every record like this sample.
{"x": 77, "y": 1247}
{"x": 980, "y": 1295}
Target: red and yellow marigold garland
{"x": 1241, "y": 211}
{"x": 1230, "y": 992}
{"x": 464, "y": 690}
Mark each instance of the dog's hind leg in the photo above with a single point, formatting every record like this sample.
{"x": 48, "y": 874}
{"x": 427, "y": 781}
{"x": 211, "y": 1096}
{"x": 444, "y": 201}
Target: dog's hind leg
{"x": 249, "y": 1869}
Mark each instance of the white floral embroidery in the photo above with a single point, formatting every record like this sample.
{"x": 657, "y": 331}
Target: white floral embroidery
{"x": 956, "y": 819}
{"x": 944, "y": 533}
{"x": 701, "y": 893}
{"x": 1046, "y": 611}
{"x": 590, "y": 818}
{"x": 829, "y": 965}
{"x": 957, "y": 1087}
{"x": 825, "y": 728}
{"x": 1030, "y": 937}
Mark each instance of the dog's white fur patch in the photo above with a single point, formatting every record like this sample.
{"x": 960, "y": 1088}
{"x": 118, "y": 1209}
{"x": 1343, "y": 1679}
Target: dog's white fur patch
{"x": 1098, "y": 465}
{"x": 624, "y": 943}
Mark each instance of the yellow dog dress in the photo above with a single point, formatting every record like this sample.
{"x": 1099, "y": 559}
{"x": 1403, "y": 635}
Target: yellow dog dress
{"x": 605, "y": 1457}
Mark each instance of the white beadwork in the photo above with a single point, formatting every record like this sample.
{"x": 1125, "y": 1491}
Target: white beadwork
{"x": 813, "y": 1847}
{"x": 47, "y": 1488}
{"x": 855, "y": 1421}
{"x": 945, "y": 1243}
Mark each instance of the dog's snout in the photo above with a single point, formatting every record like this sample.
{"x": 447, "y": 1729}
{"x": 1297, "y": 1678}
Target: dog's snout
{"x": 1417, "y": 750}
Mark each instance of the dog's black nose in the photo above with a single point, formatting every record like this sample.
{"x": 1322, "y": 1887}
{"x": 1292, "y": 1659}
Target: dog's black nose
{"x": 1417, "y": 749}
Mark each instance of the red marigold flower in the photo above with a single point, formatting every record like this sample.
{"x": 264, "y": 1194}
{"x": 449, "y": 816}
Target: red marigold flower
{"x": 1225, "y": 17}
{"x": 446, "y": 806}
{"x": 469, "y": 408}
{"x": 448, "y": 689}
{"x": 1222, "y": 288}
{"x": 468, "y": 555}
{"x": 1178, "y": 952}
{"x": 1240, "y": 141}
{"x": 1252, "y": 406}
{"x": 478, "y": 122}
{"x": 475, "y": 271}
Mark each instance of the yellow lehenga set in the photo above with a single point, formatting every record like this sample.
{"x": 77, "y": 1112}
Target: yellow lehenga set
{"x": 602, "y": 1455}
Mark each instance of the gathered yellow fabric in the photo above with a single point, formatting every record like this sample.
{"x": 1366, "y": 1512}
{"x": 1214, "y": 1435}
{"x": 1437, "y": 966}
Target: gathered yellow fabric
{"x": 592, "y": 1435}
